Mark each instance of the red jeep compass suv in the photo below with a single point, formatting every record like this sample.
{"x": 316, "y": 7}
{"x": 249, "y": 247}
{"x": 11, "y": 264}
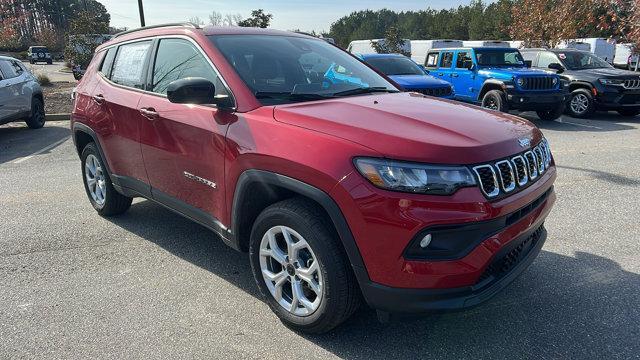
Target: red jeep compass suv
{"x": 339, "y": 190}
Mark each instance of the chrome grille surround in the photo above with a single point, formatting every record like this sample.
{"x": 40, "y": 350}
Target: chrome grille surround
{"x": 507, "y": 175}
{"x": 507, "y": 178}
{"x": 489, "y": 186}
{"x": 632, "y": 84}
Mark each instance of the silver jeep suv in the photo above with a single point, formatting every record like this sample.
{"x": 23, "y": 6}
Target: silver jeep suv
{"x": 20, "y": 94}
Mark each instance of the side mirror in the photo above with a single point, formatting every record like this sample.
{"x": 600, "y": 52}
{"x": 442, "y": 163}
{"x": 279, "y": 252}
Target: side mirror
{"x": 193, "y": 90}
{"x": 424, "y": 69}
{"x": 555, "y": 66}
{"x": 469, "y": 65}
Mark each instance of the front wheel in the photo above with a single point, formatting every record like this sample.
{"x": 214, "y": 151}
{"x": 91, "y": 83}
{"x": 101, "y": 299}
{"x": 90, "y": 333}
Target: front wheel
{"x": 581, "y": 104}
{"x": 301, "y": 268}
{"x": 629, "y": 112}
{"x": 97, "y": 183}
{"x": 37, "y": 118}
{"x": 550, "y": 115}
{"x": 495, "y": 100}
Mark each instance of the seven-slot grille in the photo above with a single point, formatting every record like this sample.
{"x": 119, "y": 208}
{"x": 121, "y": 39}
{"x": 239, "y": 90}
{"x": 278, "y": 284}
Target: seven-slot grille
{"x": 505, "y": 176}
{"x": 632, "y": 84}
{"x": 538, "y": 83}
{"x": 443, "y": 91}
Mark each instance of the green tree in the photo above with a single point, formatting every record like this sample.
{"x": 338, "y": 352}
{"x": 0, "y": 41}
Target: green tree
{"x": 392, "y": 43}
{"x": 258, "y": 19}
{"x": 82, "y": 34}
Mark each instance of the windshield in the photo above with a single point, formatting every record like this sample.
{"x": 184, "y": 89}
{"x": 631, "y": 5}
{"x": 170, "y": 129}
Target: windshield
{"x": 395, "y": 65}
{"x": 494, "y": 57}
{"x": 575, "y": 60}
{"x": 285, "y": 69}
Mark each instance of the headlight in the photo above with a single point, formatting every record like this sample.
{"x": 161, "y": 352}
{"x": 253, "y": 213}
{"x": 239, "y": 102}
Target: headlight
{"x": 554, "y": 81}
{"x": 520, "y": 82}
{"x": 612, "y": 82}
{"x": 413, "y": 177}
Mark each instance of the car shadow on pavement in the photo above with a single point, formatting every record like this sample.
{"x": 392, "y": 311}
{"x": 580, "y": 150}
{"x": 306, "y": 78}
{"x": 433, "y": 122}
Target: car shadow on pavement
{"x": 17, "y": 140}
{"x": 579, "y": 306}
{"x": 600, "y": 122}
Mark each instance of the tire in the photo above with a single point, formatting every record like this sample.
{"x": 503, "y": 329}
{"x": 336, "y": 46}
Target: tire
{"x": 31, "y": 62}
{"x": 50, "y": 62}
{"x": 37, "y": 118}
{"x": 337, "y": 295}
{"x": 495, "y": 100}
{"x": 550, "y": 115}
{"x": 581, "y": 104}
{"x": 110, "y": 202}
{"x": 629, "y": 112}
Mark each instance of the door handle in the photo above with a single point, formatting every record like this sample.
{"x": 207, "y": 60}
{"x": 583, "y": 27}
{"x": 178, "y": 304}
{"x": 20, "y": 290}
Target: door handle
{"x": 98, "y": 99}
{"x": 149, "y": 113}
{"x": 440, "y": 74}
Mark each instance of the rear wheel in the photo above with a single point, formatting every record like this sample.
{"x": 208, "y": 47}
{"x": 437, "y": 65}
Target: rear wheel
{"x": 37, "y": 118}
{"x": 550, "y": 115}
{"x": 97, "y": 183}
{"x": 495, "y": 100}
{"x": 628, "y": 112}
{"x": 581, "y": 104}
{"x": 301, "y": 268}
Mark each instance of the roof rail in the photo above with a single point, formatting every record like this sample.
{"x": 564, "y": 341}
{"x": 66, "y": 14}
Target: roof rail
{"x": 189, "y": 24}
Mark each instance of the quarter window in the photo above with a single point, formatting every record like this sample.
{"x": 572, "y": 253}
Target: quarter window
{"x": 447, "y": 60}
{"x": 129, "y": 64}
{"x": 107, "y": 63}
{"x": 178, "y": 59}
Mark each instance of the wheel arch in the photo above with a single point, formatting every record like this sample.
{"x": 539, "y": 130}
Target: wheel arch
{"x": 83, "y": 135}
{"x": 580, "y": 85}
{"x": 257, "y": 189}
{"x": 488, "y": 86}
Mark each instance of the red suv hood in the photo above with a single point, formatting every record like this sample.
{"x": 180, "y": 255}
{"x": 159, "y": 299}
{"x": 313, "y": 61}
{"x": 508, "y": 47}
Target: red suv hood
{"x": 411, "y": 127}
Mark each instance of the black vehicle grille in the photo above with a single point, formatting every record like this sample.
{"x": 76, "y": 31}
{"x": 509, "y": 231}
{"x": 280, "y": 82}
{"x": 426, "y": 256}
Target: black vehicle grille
{"x": 506, "y": 175}
{"x": 438, "y": 92}
{"x": 632, "y": 84}
{"x": 503, "y": 265}
{"x": 538, "y": 83}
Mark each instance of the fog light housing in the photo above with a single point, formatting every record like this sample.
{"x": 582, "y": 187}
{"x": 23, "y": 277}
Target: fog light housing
{"x": 426, "y": 240}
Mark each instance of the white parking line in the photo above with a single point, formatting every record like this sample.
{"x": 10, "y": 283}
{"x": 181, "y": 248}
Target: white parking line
{"x": 48, "y": 147}
{"x": 576, "y": 124}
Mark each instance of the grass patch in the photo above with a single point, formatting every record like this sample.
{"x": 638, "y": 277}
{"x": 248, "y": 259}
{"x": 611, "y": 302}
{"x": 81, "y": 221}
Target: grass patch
{"x": 43, "y": 80}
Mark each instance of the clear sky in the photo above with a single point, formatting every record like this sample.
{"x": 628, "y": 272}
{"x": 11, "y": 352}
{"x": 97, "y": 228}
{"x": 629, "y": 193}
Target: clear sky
{"x": 305, "y": 15}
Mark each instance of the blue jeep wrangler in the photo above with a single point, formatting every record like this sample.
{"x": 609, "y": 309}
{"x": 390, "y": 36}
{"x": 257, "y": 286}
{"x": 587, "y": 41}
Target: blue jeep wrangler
{"x": 498, "y": 79}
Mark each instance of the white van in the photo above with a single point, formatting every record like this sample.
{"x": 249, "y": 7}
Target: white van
{"x": 364, "y": 46}
{"x": 486, "y": 43}
{"x": 572, "y": 44}
{"x": 603, "y": 48}
{"x": 624, "y": 58}
{"x": 419, "y": 48}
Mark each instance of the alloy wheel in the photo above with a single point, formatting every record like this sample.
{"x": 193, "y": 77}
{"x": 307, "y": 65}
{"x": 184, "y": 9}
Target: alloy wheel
{"x": 291, "y": 271}
{"x": 491, "y": 104}
{"x": 94, "y": 176}
{"x": 579, "y": 103}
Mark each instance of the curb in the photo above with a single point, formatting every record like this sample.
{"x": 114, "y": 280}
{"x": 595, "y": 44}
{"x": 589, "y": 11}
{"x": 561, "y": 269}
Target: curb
{"x": 57, "y": 117}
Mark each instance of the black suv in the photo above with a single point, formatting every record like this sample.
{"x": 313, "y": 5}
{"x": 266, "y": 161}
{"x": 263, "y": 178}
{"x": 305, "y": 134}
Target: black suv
{"x": 593, "y": 83}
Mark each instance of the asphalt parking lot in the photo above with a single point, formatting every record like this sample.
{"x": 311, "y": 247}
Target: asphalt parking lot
{"x": 150, "y": 284}
{"x": 56, "y": 72}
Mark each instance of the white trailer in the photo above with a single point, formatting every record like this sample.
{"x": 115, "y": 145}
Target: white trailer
{"x": 365, "y": 47}
{"x": 486, "y": 43}
{"x": 572, "y": 44}
{"x": 419, "y": 48}
{"x": 626, "y": 57}
{"x": 601, "y": 47}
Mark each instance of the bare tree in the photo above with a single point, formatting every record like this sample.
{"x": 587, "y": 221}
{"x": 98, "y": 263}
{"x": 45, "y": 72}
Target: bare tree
{"x": 232, "y": 19}
{"x": 215, "y": 18}
{"x": 196, "y": 20}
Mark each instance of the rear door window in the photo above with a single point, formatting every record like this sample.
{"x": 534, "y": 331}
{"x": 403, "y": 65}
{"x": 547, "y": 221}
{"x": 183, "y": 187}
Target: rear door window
{"x": 178, "y": 59}
{"x": 447, "y": 59}
{"x": 129, "y": 64}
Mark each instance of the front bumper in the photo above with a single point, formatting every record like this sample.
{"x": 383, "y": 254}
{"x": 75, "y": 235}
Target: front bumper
{"x": 526, "y": 101}
{"x": 499, "y": 273}
{"x": 611, "y": 98}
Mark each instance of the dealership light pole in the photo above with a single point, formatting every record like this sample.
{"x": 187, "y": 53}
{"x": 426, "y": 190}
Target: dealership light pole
{"x": 141, "y": 10}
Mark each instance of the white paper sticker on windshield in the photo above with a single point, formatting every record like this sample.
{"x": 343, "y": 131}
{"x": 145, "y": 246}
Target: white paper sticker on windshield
{"x": 562, "y": 56}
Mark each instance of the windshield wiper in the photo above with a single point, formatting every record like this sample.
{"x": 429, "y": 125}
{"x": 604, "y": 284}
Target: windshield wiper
{"x": 290, "y": 95}
{"x": 365, "y": 90}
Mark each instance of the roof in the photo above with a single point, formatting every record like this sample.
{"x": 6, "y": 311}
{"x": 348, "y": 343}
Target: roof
{"x": 475, "y": 48}
{"x": 556, "y": 50}
{"x": 7, "y": 58}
